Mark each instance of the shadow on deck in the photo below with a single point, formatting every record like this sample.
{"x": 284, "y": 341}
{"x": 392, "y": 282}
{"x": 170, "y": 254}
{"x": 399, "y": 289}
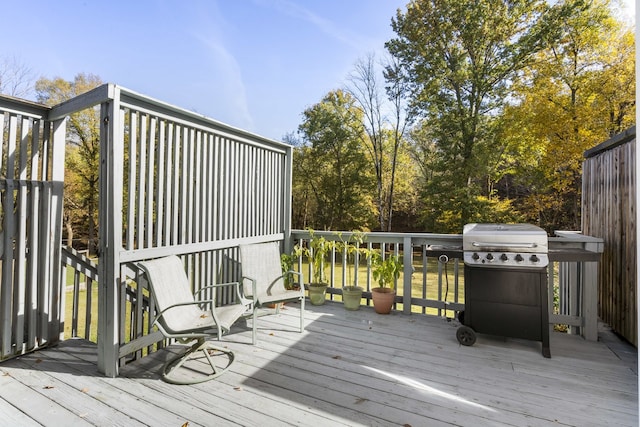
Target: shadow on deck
{"x": 347, "y": 368}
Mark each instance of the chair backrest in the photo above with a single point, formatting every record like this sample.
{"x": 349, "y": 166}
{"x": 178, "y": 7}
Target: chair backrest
{"x": 261, "y": 261}
{"x": 170, "y": 285}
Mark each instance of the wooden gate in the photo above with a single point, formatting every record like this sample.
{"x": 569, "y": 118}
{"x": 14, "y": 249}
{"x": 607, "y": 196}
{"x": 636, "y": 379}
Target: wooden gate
{"x": 31, "y": 187}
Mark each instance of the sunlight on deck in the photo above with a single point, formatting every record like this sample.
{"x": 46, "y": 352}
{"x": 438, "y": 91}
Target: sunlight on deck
{"x": 423, "y": 387}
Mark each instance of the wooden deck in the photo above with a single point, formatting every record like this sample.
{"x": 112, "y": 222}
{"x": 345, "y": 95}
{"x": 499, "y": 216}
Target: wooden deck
{"x": 348, "y": 368}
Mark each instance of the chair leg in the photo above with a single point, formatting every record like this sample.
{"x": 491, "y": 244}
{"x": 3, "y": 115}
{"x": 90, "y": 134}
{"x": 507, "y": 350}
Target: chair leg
{"x": 173, "y": 365}
{"x": 254, "y": 326}
{"x": 301, "y": 314}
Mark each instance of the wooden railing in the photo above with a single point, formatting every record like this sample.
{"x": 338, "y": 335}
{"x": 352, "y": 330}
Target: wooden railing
{"x": 432, "y": 281}
{"x": 79, "y": 275}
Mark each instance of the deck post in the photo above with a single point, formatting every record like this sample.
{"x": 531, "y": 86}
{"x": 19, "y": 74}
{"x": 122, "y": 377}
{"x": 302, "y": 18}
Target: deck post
{"x": 590, "y": 295}
{"x": 287, "y": 201}
{"x": 111, "y": 153}
{"x": 58, "y": 287}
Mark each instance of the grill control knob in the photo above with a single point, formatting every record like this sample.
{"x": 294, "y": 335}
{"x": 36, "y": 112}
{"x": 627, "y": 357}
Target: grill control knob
{"x": 534, "y": 258}
{"x": 504, "y": 257}
{"x": 475, "y": 256}
{"x": 490, "y": 257}
{"x": 519, "y": 258}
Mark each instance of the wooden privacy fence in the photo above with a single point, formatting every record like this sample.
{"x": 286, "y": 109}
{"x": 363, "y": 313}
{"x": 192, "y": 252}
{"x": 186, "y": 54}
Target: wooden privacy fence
{"x": 31, "y": 184}
{"x": 609, "y": 211}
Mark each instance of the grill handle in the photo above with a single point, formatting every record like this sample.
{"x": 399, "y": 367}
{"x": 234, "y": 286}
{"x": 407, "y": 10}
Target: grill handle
{"x": 506, "y": 246}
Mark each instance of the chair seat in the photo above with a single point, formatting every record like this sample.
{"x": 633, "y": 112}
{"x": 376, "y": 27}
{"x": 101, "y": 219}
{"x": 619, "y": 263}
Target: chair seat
{"x": 195, "y": 320}
{"x": 288, "y": 295}
{"x": 228, "y": 314}
{"x": 202, "y": 320}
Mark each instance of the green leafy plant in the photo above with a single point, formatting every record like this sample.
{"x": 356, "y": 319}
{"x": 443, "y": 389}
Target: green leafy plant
{"x": 351, "y": 247}
{"x": 386, "y": 270}
{"x": 317, "y": 252}
{"x": 287, "y": 261}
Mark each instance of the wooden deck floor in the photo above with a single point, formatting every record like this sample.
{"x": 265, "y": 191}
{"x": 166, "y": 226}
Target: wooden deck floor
{"x": 348, "y": 368}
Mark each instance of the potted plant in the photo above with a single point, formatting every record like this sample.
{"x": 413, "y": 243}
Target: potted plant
{"x": 316, "y": 253}
{"x": 385, "y": 271}
{"x": 351, "y": 297}
{"x": 287, "y": 262}
{"x": 352, "y": 294}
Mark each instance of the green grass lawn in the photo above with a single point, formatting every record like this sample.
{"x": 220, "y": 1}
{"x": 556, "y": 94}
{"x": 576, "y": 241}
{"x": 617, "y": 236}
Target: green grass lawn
{"x": 93, "y": 333}
{"x": 417, "y": 280}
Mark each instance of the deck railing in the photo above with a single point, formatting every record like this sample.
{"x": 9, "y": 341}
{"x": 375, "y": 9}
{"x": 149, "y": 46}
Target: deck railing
{"x": 432, "y": 281}
{"x": 80, "y": 276}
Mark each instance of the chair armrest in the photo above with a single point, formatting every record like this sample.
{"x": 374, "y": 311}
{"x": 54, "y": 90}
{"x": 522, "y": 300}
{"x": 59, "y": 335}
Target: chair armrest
{"x": 243, "y": 299}
{"x": 181, "y": 304}
{"x": 216, "y": 285}
{"x": 254, "y": 287}
{"x": 297, "y": 273}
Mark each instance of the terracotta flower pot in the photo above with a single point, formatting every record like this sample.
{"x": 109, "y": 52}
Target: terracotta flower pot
{"x": 383, "y": 299}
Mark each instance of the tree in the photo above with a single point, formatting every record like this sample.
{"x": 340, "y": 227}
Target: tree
{"x": 384, "y": 122}
{"x": 332, "y": 165}
{"x": 396, "y": 90}
{"x": 16, "y": 78}
{"x": 578, "y": 93}
{"x": 83, "y": 155}
{"x": 459, "y": 60}
{"x": 364, "y": 88}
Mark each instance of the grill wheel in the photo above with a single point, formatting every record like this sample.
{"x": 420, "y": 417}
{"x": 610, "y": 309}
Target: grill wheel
{"x": 466, "y": 335}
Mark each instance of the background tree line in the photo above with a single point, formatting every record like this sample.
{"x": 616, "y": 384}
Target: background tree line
{"x": 82, "y": 157}
{"x": 480, "y": 113}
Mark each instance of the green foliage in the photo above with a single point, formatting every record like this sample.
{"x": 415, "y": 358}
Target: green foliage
{"x": 458, "y": 57}
{"x": 579, "y": 92}
{"x": 82, "y": 160}
{"x": 510, "y": 94}
{"x": 331, "y": 178}
{"x": 384, "y": 122}
{"x": 316, "y": 253}
{"x": 386, "y": 270}
{"x": 351, "y": 248}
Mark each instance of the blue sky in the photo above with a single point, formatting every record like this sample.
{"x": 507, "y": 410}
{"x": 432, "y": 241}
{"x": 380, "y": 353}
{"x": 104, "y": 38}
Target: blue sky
{"x": 253, "y": 64}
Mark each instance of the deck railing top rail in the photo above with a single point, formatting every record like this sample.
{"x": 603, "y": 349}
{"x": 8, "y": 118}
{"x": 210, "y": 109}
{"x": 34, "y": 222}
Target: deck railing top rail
{"x": 140, "y": 102}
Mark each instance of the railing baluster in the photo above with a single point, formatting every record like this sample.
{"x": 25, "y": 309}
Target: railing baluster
{"x": 88, "y": 309}
{"x": 76, "y": 303}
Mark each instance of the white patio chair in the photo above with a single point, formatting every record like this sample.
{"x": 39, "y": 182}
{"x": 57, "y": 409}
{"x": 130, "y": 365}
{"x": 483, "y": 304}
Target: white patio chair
{"x": 182, "y": 316}
{"x": 261, "y": 267}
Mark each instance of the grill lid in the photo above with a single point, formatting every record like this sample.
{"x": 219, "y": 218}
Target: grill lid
{"x": 507, "y": 245}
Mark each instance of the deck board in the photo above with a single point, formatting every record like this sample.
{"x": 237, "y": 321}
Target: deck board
{"x": 347, "y": 368}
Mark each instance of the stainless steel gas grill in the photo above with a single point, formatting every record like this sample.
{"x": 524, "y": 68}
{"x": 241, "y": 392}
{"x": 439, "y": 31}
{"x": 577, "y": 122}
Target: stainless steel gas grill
{"x": 505, "y": 282}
